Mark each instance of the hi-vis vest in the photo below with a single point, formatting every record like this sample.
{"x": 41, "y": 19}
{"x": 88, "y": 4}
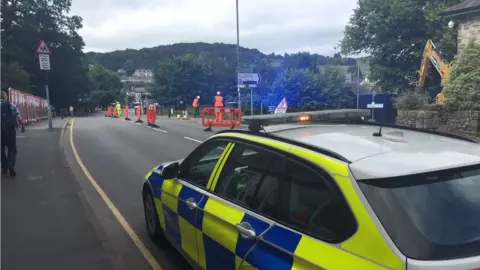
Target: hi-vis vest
{"x": 218, "y": 101}
{"x": 195, "y": 102}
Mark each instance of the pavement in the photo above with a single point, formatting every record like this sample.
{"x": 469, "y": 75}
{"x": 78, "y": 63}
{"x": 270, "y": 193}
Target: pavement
{"x": 45, "y": 224}
{"x": 76, "y": 201}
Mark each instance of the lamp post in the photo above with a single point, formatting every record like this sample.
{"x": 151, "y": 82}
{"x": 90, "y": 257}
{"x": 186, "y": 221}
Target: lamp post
{"x": 238, "y": 55}
{"x": 358, "y": 83}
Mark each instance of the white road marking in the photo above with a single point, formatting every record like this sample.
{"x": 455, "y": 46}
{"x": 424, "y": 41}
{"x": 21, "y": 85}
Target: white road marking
{"x": 21, "y": 136}
{"x": 193, "y": 140}
{"x": 137, "y": 123}
{"x": 161, "y": 130}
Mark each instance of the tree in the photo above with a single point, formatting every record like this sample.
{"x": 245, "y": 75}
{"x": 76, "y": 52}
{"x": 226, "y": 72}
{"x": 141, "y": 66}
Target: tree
{"x": 129, "y": 67}
{"x": 309, "y": 90}
{"x": 24, "y": 23}
{"x": 394, "y": 33}
{"x": 107, "y": 86}
{"x": 462, "y": 89}
{"x": 105, "y": 79}
{"x": 180, "y": 77}
{"x": 13, "y": 75}
{"x": 222, "y": 55}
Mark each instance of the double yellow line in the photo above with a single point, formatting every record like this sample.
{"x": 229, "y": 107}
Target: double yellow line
{"x": 123, "y": 222}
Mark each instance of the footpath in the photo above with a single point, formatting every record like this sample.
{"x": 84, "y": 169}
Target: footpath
{"x": 45, "y": 222}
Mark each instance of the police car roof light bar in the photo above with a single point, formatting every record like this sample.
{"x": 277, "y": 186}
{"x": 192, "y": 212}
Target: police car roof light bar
{"x": 256, "y": 123}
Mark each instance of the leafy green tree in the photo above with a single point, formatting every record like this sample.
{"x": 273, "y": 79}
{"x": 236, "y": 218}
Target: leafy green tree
{"x": 103, "y": 98}
{"x": 394, "y": 33}
{"x": 24, "y": 24}
{"x": 107, "y": 86}
{"x": 13, "y": 75}
{"x": 309, "y": 90}
{"x": 129, "y": 67}
{"x": 182, "y": 76}
{"x": 105, "y": 79}
{"x": 462, "y": 91}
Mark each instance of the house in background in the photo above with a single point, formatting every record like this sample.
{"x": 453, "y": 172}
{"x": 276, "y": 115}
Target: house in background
{"x": 467, "y": 16}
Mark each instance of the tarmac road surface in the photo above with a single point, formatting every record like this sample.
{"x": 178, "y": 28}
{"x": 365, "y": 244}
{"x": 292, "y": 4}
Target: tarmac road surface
{"x": 76, "y": 201}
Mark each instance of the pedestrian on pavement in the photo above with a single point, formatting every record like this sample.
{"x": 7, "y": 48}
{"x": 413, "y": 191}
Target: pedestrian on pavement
{"x": 64, "y": 112}
{"x": 218, "y": 104}
{"x": 10, "y": 120}
{"x": 182, "y": 108}
{"x": 196, "y": 107}
{"x": 52, "y": 108}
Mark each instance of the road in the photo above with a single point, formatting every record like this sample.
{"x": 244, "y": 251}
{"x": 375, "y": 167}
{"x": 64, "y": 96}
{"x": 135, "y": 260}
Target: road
{"x": 117, "y": 154}
{"x": 76, "y": 200}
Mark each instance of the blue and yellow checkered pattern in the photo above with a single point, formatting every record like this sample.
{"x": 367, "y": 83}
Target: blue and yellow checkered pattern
{"x": 208, "y": 235}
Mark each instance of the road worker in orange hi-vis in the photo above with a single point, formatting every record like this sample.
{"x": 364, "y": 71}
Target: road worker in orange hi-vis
{"x": 196, "y": 107}
{"x": 218, "y": 105}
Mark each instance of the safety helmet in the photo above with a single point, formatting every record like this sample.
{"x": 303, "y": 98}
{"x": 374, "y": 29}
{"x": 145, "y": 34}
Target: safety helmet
{"x": 218, "y": 93}
{"x": 198, "y": 96}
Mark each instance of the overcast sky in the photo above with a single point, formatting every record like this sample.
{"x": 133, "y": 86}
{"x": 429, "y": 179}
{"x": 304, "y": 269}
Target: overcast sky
{"x": 268, "y": 25}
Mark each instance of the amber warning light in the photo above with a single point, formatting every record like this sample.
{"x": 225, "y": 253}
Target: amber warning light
{"x": 304, "y": 118}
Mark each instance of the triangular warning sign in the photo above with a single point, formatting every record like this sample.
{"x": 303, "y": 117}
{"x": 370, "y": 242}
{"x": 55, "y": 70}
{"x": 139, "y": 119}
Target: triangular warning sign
{"x": 282, "y": 106}
{"x": 42, "y": 48}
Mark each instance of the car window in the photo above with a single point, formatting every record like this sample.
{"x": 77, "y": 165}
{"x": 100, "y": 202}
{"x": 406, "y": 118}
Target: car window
{"x": 313, "y": 207}
{"x": 199, "y": 165}
{"x": 286, "y": 191}
{"x": 251, "y": 177}
{"x": 436, "y": 213}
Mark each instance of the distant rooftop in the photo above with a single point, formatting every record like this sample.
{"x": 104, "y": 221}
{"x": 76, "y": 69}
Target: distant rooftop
{"x": 397, "y": 152}
{"x": 466, "y": 6}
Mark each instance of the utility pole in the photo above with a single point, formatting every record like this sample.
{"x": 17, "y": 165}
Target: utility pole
{"x": 238, "y": 57}
{"x": 358, "y": 83}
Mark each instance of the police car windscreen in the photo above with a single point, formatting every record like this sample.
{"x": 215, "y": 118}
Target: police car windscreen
{"x": 430, "y": 216}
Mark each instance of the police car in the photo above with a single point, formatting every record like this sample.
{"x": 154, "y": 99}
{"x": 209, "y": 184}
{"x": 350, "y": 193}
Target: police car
{"x": 347, "y": 195}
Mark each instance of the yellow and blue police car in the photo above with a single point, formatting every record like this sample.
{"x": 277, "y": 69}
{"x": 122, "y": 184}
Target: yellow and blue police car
{"x": 346, "y": 195}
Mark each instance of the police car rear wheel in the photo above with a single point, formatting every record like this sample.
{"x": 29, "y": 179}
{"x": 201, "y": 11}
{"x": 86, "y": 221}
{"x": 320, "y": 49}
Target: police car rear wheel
{"x": 151, "y": 219}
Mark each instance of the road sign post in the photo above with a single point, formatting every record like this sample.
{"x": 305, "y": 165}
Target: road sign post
{"x": 251, "y": 101}
{"x": 373, "y": 105}
{"x": 43, "y": 53}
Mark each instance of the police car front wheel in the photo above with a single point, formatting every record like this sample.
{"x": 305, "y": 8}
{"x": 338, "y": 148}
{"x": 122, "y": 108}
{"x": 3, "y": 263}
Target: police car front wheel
{"x": 151, "y": 219}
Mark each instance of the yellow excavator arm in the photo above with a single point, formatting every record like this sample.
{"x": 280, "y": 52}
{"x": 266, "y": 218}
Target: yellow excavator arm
{"x": 431, "y": 56}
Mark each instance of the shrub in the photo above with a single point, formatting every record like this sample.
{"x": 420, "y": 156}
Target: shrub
{"x": 411, "y": 101}
{"x": 462, "y": 90}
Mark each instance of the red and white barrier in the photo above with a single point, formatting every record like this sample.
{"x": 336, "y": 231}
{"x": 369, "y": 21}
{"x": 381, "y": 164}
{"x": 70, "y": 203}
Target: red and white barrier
{"x": 31, "y": 108}
{"x": 221, "y": 117}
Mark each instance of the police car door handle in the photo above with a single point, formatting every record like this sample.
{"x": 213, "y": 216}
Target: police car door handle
{"x": 246, "y": 230}
{"x": 191, "y": 204}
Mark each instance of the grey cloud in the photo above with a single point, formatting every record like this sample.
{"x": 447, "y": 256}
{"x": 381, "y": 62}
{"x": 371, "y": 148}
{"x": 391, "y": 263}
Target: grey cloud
{"x": 270, "y": 26}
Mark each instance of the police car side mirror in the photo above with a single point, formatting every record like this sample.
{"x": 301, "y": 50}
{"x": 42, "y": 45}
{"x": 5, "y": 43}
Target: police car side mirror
{"x": 171, "y": 171}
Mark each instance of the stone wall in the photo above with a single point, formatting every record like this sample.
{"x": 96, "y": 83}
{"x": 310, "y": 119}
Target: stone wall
{"x": 468, "y": 28}
{"x": 463, "y": 123}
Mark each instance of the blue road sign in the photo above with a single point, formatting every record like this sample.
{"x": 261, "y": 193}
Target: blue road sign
{"x": 248, "y": 79}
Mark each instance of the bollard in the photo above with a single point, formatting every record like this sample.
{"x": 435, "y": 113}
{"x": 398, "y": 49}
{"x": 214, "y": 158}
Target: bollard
{"x": 139, "y": 114}
{"x": 151, "y": 116}
{"x": 126, "y": 113}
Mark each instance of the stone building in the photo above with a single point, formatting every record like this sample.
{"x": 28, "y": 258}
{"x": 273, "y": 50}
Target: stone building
{"x": 467, "y": 16}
